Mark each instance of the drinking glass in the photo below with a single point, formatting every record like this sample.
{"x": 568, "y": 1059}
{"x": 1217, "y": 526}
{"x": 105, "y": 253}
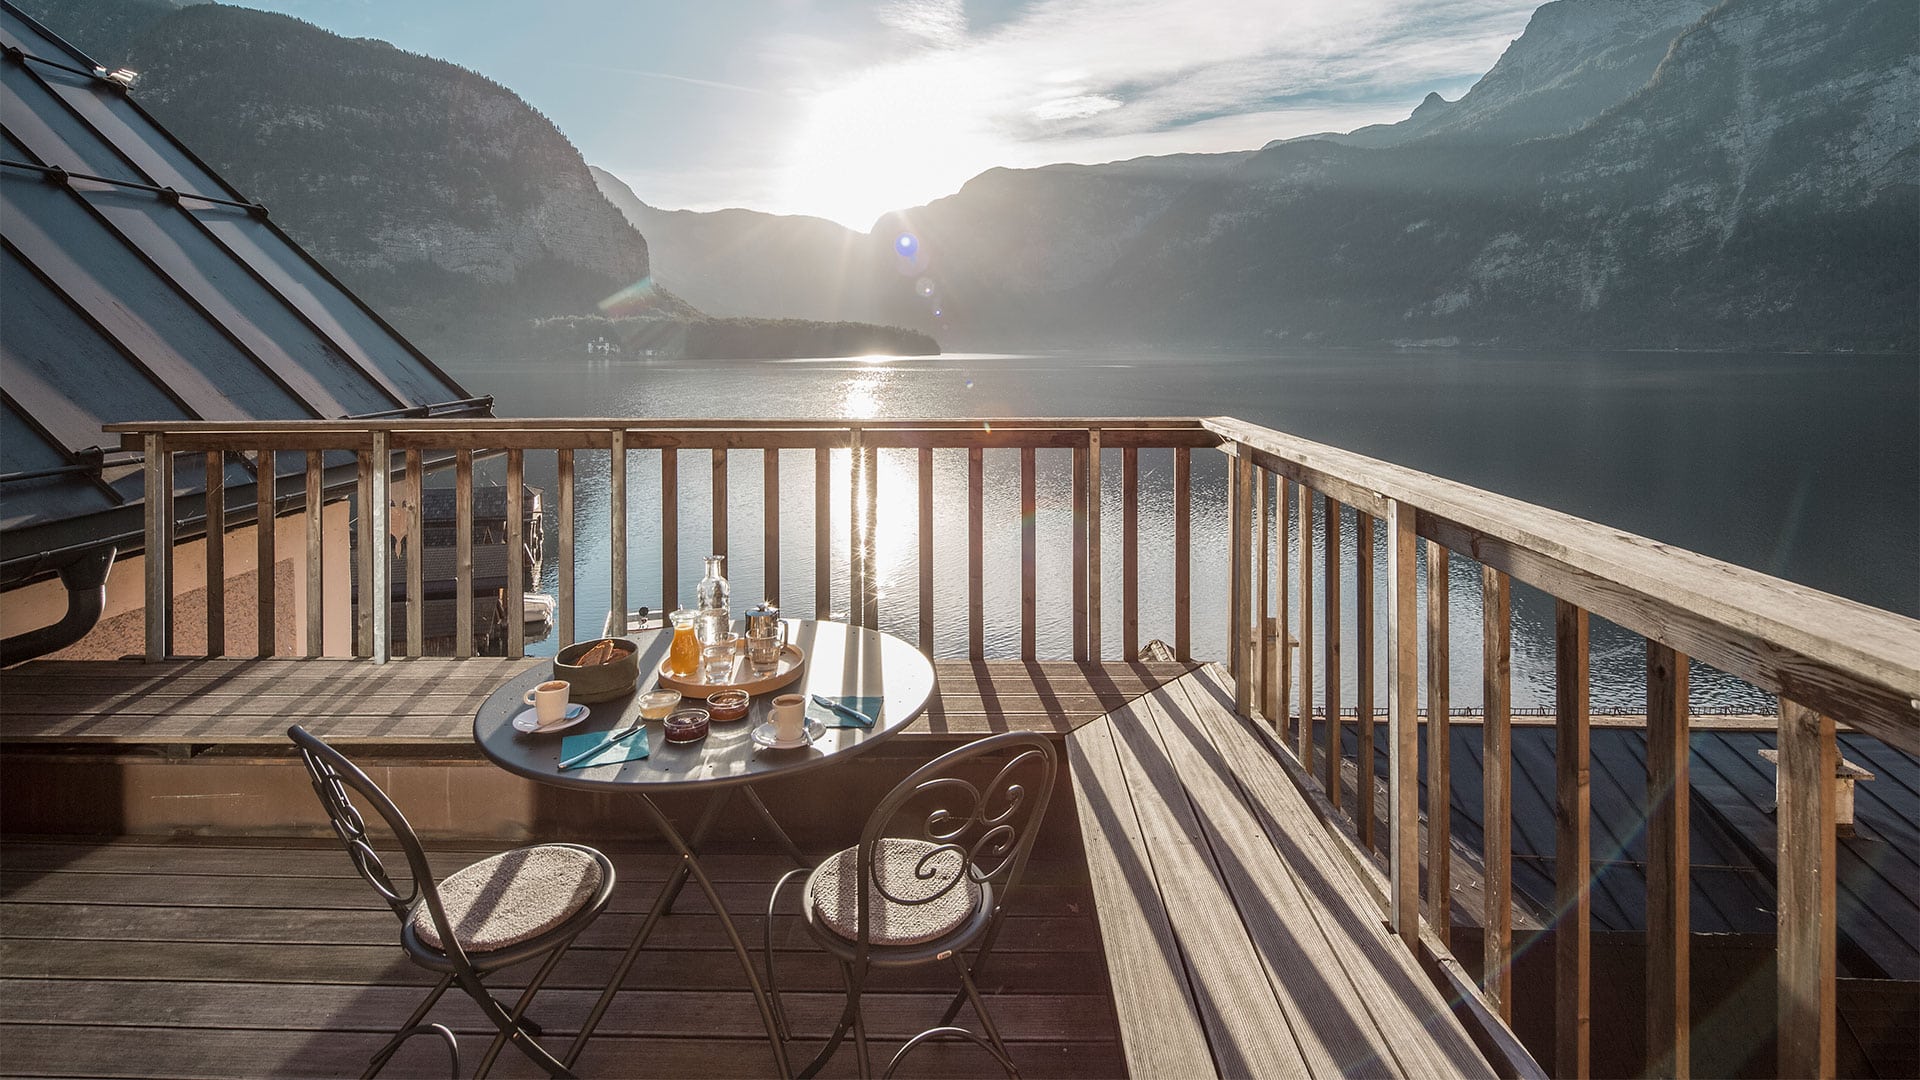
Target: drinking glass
{"x": 718, "y": 657}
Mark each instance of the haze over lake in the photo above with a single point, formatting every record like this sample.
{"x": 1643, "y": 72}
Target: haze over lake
{"x": 1803, "y": 467}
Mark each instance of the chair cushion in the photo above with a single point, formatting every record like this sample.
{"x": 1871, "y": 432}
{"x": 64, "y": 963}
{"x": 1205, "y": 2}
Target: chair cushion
{"x": 897, "y": 863}
{"x": 512, "y": 897}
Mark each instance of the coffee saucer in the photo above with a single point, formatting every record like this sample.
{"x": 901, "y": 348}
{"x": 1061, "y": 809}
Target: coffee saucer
{"x": 763, "y": 735}
{"x": 528, "y": 721}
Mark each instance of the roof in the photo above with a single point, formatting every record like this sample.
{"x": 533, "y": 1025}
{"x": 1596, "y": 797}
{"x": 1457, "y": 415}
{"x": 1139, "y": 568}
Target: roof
{"x": 139, "y": 285}
{"x": 1732, "y": 839}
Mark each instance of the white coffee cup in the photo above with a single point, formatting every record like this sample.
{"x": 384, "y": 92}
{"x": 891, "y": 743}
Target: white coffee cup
{"x": 549, "y": 701}
{"x": 789, "y": 717}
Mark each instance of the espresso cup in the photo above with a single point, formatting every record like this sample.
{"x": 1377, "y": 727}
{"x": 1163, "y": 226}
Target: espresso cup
{"x": 789, "y": 717}
{"x": 549, "y": 701}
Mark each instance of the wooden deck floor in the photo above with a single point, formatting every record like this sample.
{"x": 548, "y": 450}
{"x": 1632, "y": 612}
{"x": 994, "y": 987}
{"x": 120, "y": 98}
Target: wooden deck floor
{"x": 269, "y": 958}
{"x": 433, "y": 700}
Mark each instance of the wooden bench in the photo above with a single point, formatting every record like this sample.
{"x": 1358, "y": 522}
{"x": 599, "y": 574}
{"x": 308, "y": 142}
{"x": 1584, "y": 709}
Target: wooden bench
{"x": 1239, "y": 940}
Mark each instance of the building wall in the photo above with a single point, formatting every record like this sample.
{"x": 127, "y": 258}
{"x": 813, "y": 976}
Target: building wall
{"x": 122, "y": 628}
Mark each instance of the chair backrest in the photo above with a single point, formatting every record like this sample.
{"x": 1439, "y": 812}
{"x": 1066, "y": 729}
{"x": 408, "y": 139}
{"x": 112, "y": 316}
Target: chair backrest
{"x": 336, "y": 780}
{"x": 991, "y": 825}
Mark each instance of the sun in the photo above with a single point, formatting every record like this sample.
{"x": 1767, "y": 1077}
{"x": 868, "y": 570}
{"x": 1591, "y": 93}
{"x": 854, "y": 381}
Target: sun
{"x": 883, "y": 140}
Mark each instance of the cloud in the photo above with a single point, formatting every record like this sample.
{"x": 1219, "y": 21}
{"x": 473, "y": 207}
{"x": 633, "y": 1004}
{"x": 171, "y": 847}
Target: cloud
{"x": 940, "y": 21}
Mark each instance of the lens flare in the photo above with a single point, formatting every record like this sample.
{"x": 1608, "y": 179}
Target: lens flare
{"x": 906, "y": 245}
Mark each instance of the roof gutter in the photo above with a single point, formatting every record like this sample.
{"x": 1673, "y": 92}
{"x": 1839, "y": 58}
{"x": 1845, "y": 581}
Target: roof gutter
{"x": 85, "y": 579}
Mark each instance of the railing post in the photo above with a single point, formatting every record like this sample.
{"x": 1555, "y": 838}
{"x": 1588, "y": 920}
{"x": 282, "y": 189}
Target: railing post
{"x": 1129, "y": 549}
{"x": 316, "y": 557}
{"x": 857, "y": 549}
{"x": 870, "y": 540}
{"x": 822, "y": 533}
{"x": 1403, "y": 703}
{"x": 1029, "y": 558}
{"x": 1439, "y": 747}
{"x": 158, "y": 473}
{"x": 516, "y": 602}
{"x": 379, "y": 581}
{"x": 1284, "y": 644}
{"x": 718, "y": 505}
{"x": 363, "y": 556}
{"x": 417, "y": 555}
{"x": 1668, "y": 864}
{"x": 1240, "y": 548}
{"x": 1363, "y": 786}
{"x": 565, "y": 601}
{"x": 1573, "y": 858}
{"x": 265, "y": 488}
{"x": 976, "y": 549}
{"x": 216, "y": 534}
{"x": 1182, "y": 553}
{"x": 925, "y": 494}
{"x": 617, "y": 520}
{"x": 1335, "y": 725}
{"x": 770, "y": 524}
{"x": 1080, "y": 553}
{"x": 1262, "y": 597}
{"x": 1305, "y": 737}
{"x": 1806, "y": 892}
{"x": 1496, "y": 735}
{"x": 1095, "y": 641}
{"x": 463, "y": 550}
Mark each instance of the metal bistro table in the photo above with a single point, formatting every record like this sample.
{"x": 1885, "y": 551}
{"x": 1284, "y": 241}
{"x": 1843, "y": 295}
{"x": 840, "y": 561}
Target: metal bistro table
{"x": 841, "y": 660}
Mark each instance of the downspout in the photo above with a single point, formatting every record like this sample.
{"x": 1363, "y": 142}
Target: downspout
{"x": 86, "y": 582}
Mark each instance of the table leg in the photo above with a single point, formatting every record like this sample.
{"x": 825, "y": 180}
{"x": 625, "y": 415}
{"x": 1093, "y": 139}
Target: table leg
{"x": 662, "y": 904}
{"x": 701, "y": 827}
{"x": 689, "y": 866}
{"x": 779, "y": 834}
{"x": 760, "y": 998}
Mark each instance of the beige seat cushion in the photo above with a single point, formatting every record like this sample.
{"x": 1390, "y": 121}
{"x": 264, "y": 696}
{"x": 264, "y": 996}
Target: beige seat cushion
{"x": 512, "y": 897}
{"x": 897, "y": 864}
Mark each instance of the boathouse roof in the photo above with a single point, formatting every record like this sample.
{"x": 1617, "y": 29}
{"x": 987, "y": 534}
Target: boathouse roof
{"x": 139, "y": 285}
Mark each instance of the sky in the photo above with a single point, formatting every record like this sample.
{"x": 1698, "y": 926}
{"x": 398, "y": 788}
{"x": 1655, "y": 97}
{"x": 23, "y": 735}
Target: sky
{"x": 845, "y": 109}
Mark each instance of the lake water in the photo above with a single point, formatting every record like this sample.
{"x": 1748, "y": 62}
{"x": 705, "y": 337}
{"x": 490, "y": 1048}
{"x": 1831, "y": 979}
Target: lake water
{"x": 1803, "y": 467}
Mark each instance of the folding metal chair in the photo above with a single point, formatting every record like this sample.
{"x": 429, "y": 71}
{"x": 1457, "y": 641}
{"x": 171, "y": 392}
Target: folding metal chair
{"x": 931, "y": 896}
{"x": 513, "y": 907}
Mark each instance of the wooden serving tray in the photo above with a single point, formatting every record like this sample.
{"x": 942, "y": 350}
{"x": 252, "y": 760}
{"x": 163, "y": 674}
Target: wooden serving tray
{"x": 792, "y": 660}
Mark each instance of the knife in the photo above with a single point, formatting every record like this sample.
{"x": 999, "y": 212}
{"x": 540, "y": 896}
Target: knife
{"x": 612, "y": 738}
{"x": 847, "y": 711}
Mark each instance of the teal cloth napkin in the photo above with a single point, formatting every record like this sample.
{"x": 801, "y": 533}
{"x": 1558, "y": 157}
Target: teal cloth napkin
{"x": 868, "y": 705}
{"x": 632, "y": 748}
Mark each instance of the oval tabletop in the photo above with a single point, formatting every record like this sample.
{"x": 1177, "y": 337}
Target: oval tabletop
{"x": 841, "y": 661}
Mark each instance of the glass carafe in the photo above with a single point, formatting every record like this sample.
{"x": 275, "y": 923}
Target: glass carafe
{"x": 683, "y": 656}
{"x": 712, "y": 599}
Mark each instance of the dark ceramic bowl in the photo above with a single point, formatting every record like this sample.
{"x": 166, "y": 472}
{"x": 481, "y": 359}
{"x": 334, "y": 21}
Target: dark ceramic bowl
{"x": 728, "y": 705}
{"x": 599, "y": 682}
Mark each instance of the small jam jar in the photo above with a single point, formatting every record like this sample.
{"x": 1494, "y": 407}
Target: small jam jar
{"x": 686, "y": 725}
{"x": 726, "y": 706}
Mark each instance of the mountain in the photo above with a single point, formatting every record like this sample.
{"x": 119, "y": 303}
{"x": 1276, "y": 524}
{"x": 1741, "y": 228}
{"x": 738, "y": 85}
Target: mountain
{"x": 435, "y": 193}
{"x": 1001, "y": 260}
{"x": 1576, "y": 59}
{"x": 1761, "y": 190}
{"x": 744, "y": 262}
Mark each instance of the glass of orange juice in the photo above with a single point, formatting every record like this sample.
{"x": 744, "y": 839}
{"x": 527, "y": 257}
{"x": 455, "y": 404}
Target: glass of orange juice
{"x": 683, "y": 656}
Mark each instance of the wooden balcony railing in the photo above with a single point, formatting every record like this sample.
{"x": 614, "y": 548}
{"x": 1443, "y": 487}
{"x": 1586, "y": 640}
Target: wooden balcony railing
{"x": 1826, "y": 658}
